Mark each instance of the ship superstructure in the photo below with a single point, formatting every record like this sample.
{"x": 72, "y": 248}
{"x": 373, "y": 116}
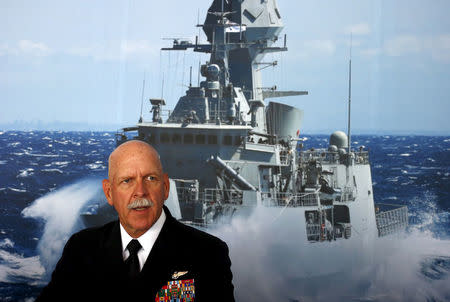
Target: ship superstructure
{"x": 227, "y": 151}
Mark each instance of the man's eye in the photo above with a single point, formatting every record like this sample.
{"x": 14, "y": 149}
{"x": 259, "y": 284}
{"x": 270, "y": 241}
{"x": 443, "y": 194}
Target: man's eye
{"x": 126, "y": 180}
{"x": 151, "y": 178}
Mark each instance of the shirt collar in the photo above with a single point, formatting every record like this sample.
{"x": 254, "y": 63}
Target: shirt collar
{"x": 147, "y": 240}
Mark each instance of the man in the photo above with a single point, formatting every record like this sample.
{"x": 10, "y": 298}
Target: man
{"x": 145, "y": 256}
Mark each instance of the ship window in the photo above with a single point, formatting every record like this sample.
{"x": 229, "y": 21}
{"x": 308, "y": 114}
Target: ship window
{"x": 176, "y": 138}
{"x": 227, "y": 140}
{"x": 188, "y": 138}
{"x": 200, "y": 139}
{"x": 212, "y": 139}
{"x": 164, "y": 138}
{"x": 237, "y": 140}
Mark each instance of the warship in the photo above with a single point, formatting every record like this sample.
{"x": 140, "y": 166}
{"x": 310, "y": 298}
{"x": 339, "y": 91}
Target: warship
{"x": 228, "y": 150}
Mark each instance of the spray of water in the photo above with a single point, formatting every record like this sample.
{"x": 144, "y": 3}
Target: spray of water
{"x": 15, "y": 268}
{"x": 272, "y": 261}
{"x": 60, "y": 210}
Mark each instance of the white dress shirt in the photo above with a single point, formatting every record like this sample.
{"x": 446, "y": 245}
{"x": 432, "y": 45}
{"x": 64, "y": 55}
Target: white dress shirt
{"x": 147, "y": 240}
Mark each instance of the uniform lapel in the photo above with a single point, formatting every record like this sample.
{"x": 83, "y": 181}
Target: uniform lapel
{"x": 113, "y": 258}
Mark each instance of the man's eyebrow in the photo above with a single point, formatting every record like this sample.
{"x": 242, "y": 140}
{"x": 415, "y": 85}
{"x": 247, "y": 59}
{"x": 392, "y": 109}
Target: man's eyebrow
{"x": 121, "y": 177}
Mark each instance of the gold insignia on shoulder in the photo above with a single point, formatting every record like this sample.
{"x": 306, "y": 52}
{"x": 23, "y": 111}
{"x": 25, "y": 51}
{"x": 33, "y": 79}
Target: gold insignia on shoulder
{"x": 177, "y": 275}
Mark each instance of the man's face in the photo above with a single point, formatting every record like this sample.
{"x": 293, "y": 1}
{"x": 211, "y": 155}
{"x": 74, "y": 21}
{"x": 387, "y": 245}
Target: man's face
{"x": 135, "y": 173}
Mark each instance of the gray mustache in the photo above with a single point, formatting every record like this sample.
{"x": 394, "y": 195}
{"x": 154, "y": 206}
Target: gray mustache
{"x": 140, "y": 203}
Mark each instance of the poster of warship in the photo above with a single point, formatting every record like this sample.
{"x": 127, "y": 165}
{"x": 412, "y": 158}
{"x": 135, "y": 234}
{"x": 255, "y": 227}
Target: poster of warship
{"x": 241, "y": 150}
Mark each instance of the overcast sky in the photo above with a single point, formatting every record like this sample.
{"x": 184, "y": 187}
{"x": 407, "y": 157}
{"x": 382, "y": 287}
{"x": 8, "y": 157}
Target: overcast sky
{"x": 84, "y": 61}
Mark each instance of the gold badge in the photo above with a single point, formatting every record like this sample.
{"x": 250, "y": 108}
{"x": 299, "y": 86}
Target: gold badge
{"x": 177, "y": 275}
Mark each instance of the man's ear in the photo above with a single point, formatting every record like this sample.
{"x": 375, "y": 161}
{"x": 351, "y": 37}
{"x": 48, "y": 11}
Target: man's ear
{"x": 166, "y": 186}
{"x": 107, "y": 190}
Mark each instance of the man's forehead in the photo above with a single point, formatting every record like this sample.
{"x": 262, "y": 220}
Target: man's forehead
{"x": 134, "y": 153}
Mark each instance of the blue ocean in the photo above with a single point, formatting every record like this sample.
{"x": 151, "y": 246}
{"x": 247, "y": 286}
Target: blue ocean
{"x": 48, "y": 177}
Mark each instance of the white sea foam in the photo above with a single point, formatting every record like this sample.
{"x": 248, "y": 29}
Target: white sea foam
{"x": 96, "y": 166}
{"x": 17, "y": 190}
{"x": 405, "y": 154}
{"x": 40, "y": 155}
{"x": 52, "y": 170}
{"x": 60, "y": 163}
{"x": 15, "y": 268}
{"x": 26, "y": 172}
{"x": 60, "y": 209}
{"x": 6, "y": 243}
{"x": 392, "y": 179}
{"x": 269, "y": 264}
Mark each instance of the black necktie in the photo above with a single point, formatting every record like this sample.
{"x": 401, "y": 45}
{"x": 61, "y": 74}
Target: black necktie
{"x": 132, "y": 262}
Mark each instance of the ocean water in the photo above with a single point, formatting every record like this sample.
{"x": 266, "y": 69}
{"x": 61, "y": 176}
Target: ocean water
{"x": 47, "y": 177}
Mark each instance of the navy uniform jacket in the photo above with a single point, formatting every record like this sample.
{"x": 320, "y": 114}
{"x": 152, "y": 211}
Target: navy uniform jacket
{"x": 91, "y": 267}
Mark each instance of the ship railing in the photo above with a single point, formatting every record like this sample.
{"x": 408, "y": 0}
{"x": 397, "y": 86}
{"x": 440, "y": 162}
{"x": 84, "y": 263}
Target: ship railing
{"x": 313, "y": 231}
{"x": 328, "y": 157}
{"x": 362, "y": 157}
{"x": 284, "y": 158}
{"x": 391, "y": 219}
{"x": 290, "y": 200}
{"x": 212, "y": 195}
{"x": 187, "y": 194}
{"x": 348, "y": 194}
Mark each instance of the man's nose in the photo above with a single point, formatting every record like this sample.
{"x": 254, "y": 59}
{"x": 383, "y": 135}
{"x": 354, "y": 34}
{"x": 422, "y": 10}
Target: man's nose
{"x": 140, "y": 189}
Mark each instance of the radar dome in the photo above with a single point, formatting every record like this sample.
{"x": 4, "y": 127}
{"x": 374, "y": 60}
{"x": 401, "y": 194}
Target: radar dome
{"x": 213, "y": 71}
{"x": 333, "y": 148}
{"x": 339, "y": 139}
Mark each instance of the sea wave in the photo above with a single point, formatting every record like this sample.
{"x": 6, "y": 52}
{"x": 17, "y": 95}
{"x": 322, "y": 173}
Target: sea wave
{"x": 52, "y": 170}
{"x": 6, "y": 243}
{"x": 60, "y": 210}
{"x": 17, "y": 190}
{"x": 16, "y": 268}
{"x": 26, "y": 172}
{"x": 413, "y": 261}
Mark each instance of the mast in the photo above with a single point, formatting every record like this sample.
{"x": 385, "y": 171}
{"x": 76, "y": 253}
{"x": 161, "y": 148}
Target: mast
{"x": 349, "y": 96}
{"x": 142, "y": 99}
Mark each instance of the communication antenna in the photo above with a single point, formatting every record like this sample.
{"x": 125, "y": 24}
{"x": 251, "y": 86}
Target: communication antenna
{"x": 349, "y": 95}
{"x": 142, "y": 99}
{"x": 199, "y": 67}
{"x": 198, "y": 23}
{"x": 162, "y": 88}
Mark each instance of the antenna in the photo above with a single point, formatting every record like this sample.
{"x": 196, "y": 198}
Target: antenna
{"x": 199, "y": 67}
{"x": 349, "y": 95}
{"x": 142, "y": 99}
{"x": 162, "y": 88}
{"x": 198, "y": 22}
